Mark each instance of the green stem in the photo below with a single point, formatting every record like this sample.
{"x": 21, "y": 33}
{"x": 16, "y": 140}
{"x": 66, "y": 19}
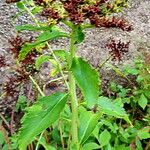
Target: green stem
{"x": 38, "y": 143}
{"x": 103, "y": 63}
{"x": 37, "y": 86}
{"x": 74, "y": 102}
{"x": 49, "y": 47}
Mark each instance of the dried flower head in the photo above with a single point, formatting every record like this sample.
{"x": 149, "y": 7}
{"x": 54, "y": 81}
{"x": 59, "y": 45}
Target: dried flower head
{"x": 29, "y": 62}
{"x": 40, "y": 2}
{"x": 51, "y": 13}
{"x": 12, "y": 1}
{"x": 2, "y": 61}
{"x": 117, "y": 48}
{"x": 13, "y": 85}
{"x": 110, "y": 22}
{"x": 16, "y": 44}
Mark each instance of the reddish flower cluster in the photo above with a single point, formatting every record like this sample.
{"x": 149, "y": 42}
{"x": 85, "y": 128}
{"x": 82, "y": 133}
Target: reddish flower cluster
{"x": 78, "y": 12}
{"x": 16, "y": 44}
{"x": 20, "y": 76}
{"x": 50, "y": 12}
{"x": 12, "y": 87}
{"x": 2, "y": 61}
{"x": 110, "y": 23}
{"x": 39, "y": 2}
{"x": 74, "y": 11}
{"x": 12, "y": 1}
{"x": 117, "y": 49}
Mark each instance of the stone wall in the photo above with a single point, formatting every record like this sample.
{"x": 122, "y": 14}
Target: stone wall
{"x": 93, "y": 49}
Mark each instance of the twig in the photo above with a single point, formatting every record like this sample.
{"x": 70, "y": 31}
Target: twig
{"x": 5, "y": 121}
{"x": 147, "y": 146}
{"x": 104, "y": 62}
{"x": 11, "y": 123}
{"x": 6, "y": 136}
{"x": 54, "y": 80}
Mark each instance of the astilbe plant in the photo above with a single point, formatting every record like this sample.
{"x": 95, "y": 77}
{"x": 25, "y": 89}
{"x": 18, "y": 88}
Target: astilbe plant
{"x": 74, "y": 118}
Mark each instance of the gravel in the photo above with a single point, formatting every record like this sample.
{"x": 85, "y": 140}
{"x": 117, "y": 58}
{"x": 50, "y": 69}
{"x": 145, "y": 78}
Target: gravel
{"x": 93, "y": 48}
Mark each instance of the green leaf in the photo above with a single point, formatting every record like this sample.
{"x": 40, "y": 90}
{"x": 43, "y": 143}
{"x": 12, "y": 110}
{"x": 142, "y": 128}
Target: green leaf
{"x": 112, "y": 108}
{"x": 1, "y": 138}
{"x": 30, "y": 27}
{"x": 40, "y": 60}
{"x": 39, "y": 117}
{"x": 121, "y": 147}
{"x": 5, "y": 147}
{"x": 63, "y": 54}
{"x": 87, "y": 80}
{"x": 43, "y": 142}
{"x": 142, "y": 101}
{"x": 91, "y": 146}
{"x": 37, "y": 9}
{"x": 144, "y": 133}
{"x": 21, "y": 103}
{"x": 79, "y": 35}
{"x": 104, "y": 138}
{"x": 43, "y": 37}
{"x": 47, "y": 35}
{"x": 138, "y": 144}
{"x": 88, "y": 122}
{"x": 26, "y": 48}
{"x": 20, "y": 5}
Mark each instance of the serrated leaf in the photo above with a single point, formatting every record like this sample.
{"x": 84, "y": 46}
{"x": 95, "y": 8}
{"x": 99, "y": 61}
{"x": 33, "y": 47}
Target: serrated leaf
{"x": 20, "y": 5}
{"x": 87, "y": 80}
{"x": 88, "y": 122}
{"x": 142, "y": 101}
{"x": 91, "y": 146}
{"x": 43, "y": 37}
{"x": 111, "y": 108}
{"x": 40, "y": 60}
{"x": 47, "y": 35}
{"x": 104, "y": 138}
{"x": 144, "y": 133}
{"x": 30, "y": 27}
{"x": 26, "y": 48}
{"x": 138, "y": 144}
{"x": 79, "y": 35}
{"x": 39, "y": 117}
